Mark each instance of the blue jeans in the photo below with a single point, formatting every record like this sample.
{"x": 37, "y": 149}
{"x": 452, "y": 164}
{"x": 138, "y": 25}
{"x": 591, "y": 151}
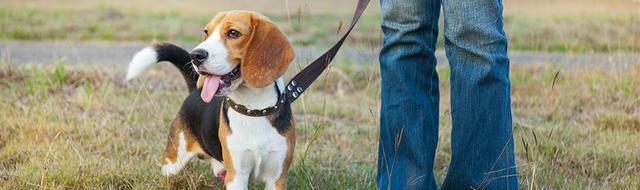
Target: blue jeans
{"x": 482, "y": 137}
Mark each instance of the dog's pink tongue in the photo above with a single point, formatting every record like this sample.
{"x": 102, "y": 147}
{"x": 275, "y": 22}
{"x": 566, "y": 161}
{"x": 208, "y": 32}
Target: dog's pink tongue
{"x": 210, "y": 87}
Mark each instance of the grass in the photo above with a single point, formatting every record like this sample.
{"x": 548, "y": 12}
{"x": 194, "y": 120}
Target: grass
{"x": 81, "y": 127}
{"x": 559, "y": 26}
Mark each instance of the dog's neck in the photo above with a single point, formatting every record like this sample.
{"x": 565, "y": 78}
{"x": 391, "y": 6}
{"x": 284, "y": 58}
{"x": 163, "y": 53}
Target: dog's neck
{"x": 257, "y": 98}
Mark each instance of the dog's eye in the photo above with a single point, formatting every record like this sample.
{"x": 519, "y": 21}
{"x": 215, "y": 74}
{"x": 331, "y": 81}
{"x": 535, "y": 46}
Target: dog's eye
{"x": 206, "y": 34}
{"x": 233, "y": 34}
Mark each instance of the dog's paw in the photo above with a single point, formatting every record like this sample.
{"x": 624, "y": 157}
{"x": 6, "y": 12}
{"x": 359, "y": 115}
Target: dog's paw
{"x": 221, "y": 175}
{"x": 219, "y": 169}
{"x": 169, "y": 169}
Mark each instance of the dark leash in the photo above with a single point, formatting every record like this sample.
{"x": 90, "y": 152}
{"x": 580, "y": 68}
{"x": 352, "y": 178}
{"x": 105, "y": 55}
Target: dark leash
{"x": 301, "y": 81}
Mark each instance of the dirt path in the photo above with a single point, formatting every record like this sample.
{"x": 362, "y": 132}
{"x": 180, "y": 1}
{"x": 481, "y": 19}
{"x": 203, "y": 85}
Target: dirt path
{"x": 119, "y": 54}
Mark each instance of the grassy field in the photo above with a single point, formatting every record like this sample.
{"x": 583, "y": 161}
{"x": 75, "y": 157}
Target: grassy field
{"x": 82, "y": 127}
{"x": 560, "y": 26}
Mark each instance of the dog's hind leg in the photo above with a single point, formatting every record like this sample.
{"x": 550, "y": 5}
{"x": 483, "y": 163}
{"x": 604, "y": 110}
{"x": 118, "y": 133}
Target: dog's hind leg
{"x": 182, "y": 146}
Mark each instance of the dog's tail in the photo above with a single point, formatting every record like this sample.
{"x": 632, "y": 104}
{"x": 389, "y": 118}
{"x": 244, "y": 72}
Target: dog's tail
{"x": 159, "y": 52}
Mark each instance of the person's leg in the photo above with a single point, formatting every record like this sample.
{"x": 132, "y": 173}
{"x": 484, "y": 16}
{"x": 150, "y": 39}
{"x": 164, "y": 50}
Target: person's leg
{"x": 409, "y": 113}
{"x": 482, "y": 137}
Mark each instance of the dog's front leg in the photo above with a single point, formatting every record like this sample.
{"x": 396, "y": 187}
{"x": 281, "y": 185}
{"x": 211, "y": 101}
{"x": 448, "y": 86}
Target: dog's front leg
{"x": 242, "y": 166}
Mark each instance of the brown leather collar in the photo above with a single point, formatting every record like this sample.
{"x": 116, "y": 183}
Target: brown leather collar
{"x": 301, "y": 81}
{"x": 257, "y": 112}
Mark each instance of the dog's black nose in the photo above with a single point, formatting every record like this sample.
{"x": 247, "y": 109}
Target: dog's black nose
{"x": 198, "y": 56}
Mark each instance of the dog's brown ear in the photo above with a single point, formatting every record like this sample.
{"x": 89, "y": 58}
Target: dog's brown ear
{"x": 267, "y": 54}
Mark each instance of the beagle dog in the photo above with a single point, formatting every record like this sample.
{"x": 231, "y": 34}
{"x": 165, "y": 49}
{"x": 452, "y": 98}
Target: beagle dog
{"x": 241, "y": 61}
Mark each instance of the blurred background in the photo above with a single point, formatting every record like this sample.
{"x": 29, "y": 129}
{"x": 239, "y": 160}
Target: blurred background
{"x": 546, "y": 25}
{"x": 70, "y": 121}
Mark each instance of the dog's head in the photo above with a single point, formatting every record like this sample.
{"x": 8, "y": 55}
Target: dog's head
{"x": 240, "y": 48}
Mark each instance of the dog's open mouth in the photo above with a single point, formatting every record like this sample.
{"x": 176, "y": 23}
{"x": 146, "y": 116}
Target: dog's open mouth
{"x": 214, "y": 83}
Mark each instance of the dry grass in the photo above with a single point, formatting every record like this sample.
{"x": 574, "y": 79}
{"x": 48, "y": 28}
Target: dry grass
{"x": 571, "y": 8}
{"x": 82, "y": 127}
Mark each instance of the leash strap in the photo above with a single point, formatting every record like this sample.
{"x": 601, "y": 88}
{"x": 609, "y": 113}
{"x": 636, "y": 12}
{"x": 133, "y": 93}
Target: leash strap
{"x": 301, "y": 81}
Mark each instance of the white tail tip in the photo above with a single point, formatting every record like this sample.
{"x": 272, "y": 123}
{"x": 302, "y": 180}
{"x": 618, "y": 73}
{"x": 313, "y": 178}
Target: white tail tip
{"x": 141, "y": 61}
